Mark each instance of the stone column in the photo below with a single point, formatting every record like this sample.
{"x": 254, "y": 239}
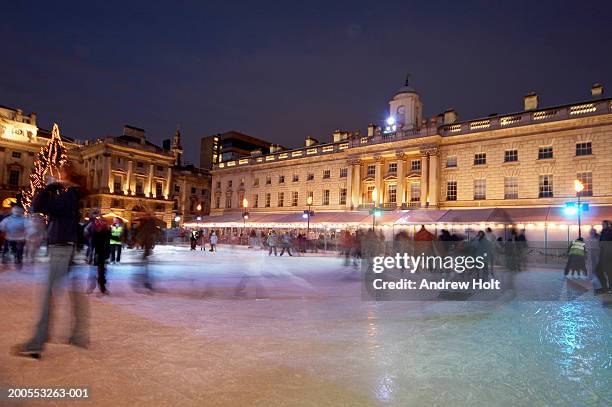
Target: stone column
{"x": 357, "y": 182}
{"x": 96, "y": 181}
{"x": 149, "y": 191}
{"x": 168, "y": 183}
{"x": 434, "y": 186}
{"x": 128, "y": 181}
{"x": 349, "y": 185}
{"x": 106, "y": 183}
{"x": 401, "y": 178}
{"x": 378, "y": 180}
{"x": 424, "y": 178}
{"x": 3, "y": 181}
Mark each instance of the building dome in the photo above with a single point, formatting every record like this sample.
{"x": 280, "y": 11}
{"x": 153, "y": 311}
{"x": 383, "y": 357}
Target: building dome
{"x": 406, "y": 88}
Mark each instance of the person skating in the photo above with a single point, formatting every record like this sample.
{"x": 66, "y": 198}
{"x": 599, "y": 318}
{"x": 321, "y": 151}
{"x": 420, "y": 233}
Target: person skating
{"x": 576, "y": 258}
{"x": 193, "y": 239}
{"x": 146, "y": 235}
{"x": 14, "y": 226}
{"x": 117, "y": 238}
{"x": 286, "y": 244}
{"x": 59, "y": 200}
{"x": 604, "y": 266}
{"x": 99, "y": 232}
{"x": 272, "y": 243}
{"x": 213, "y": 241}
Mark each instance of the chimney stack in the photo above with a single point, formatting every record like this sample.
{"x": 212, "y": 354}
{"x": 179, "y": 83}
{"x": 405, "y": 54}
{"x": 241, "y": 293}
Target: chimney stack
{"x": 450, "y": 116}
{"x": 531, "y": 101}
{"x": 310, "y": 141}
{"x": 597, "y": 90}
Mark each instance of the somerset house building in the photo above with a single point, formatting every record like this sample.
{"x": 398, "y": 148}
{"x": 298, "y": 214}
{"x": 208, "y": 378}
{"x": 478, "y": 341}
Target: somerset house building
{"x": 514, "y": 167}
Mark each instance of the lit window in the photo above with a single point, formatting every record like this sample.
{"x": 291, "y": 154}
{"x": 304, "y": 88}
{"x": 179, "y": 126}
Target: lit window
{"x": 369, "y": 191}
{"x": 545, "y": 186}
{"x": 584, "y": 148}
{"x": 392, "y": 193}
{"x": 342, "y": 196}
{"x": 451, "y": 190}
{"x": 587, "y": 180}
{"x": 480, "y": 189}
{"x": 415, "y": 192}
{"x": 511, "y": 188}
{"x": 325, "y": 197}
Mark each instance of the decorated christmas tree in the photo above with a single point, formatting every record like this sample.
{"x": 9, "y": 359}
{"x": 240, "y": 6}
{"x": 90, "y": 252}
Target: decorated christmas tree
{"x": 49, "y": 160}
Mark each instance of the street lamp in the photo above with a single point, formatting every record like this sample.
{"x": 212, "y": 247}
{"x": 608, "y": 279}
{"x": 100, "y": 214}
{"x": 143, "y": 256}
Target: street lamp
{"x": 245, "y": 214}
{"x": 578, "y": 187}
{"x": 375, "y": 211}
{"x": 307, "y": 214}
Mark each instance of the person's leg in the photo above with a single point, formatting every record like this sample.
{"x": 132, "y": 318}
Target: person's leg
{"x": 118, "y": 258}
{"x": 289, "y": 251}
{"x": 275, "y": 250}
{"x": 112, "y": 252}
{"x": 19, "y": 245}
{"x": 282, "y": 251}
{"x": 79, "y": 335}
{"x": 59, "y": 263}
{"x": 270, "y": 251}
{"x": 102, "y": 275}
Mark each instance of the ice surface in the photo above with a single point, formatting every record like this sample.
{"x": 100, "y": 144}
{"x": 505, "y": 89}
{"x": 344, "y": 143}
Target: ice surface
{"x": 240, "y": 328}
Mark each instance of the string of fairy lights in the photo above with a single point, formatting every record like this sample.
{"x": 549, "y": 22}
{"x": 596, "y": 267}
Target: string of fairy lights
{"x": 49, "y": 160}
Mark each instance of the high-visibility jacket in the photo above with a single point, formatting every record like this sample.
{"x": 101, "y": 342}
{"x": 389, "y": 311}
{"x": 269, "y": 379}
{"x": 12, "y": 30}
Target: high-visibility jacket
{"x": 577, "y": 248}
{"x": 116, "y": 234}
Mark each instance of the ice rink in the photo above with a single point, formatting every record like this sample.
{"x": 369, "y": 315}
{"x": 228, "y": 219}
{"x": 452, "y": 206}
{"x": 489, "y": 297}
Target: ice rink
{"x": 240, "y": 328}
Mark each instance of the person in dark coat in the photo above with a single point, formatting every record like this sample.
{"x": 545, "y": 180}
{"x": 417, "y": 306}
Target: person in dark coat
{"x": 604, "y": 266}
{"x": 100, "y": 234}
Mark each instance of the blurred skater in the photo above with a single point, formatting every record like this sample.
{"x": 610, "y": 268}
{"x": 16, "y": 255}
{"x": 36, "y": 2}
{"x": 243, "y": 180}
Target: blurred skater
{"x": 286, "y": 243}
{"x": 14, "y": 227}
{"x": 146, "y": 235}
{"x": 60, "y": 202}
{"x": 272, "y": 243}
{"x": 100, "y": 235}
{"x": 213, "y": 241}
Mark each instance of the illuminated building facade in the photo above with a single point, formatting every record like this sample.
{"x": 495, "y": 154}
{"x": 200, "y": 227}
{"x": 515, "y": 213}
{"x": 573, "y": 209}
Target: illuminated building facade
{"x": 529, "y": 158}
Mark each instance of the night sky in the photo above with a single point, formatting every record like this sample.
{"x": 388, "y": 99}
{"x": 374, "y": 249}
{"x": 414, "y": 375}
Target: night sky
{"x": 286, "y": 70}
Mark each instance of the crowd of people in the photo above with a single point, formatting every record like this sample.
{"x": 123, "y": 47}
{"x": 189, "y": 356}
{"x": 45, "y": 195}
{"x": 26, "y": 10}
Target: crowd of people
{"x": 56, "y": 208}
